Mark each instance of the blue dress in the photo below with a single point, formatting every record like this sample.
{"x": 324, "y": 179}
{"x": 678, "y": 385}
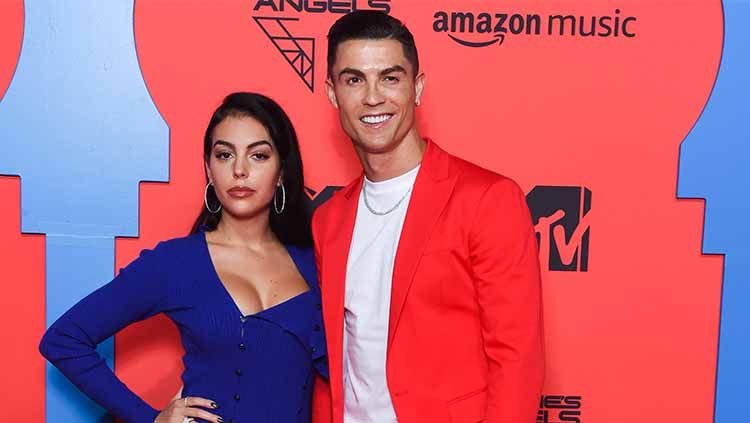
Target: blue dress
{"x": 257, "y": 368}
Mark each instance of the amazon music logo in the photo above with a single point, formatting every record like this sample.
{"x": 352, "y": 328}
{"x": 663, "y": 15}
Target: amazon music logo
{"x": 561, "y": 222}
{"x": 559, "y": 409}
{"x": 299, "y": 50}
{"x": 484, "y": 29}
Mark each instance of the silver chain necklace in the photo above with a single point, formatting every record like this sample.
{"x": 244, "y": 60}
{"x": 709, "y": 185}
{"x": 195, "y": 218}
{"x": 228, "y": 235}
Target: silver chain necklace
{"x": 379, "y": 213}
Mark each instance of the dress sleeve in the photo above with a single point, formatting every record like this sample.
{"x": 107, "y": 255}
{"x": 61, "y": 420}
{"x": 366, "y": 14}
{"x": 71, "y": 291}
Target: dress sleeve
{"x": 139, "y": 291}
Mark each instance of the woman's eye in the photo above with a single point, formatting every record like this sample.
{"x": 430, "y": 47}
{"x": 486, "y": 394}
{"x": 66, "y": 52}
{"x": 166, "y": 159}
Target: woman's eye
{"x": 223, "y": 155}
{"x": 259, "y": 156}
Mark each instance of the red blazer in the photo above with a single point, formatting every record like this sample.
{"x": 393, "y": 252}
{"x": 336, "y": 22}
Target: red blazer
{"x": 465, "y": 331}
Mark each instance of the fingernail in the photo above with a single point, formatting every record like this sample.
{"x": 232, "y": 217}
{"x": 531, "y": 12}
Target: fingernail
{"x": 214, "y": 405}
{"x": 221, "y": 420}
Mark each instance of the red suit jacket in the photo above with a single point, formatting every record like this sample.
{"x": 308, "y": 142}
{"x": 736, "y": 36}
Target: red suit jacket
{"x": 465, "y": 331}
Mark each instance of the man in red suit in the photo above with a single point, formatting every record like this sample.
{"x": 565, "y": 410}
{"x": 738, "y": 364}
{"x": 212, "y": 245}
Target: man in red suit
{"x": 428, "y": 264}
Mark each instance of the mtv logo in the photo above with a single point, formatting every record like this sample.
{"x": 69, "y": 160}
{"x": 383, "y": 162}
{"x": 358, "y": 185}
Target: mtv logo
{"x": 560, "y": 216}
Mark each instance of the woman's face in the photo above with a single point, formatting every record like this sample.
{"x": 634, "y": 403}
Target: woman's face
{"x": 244, "y": 167}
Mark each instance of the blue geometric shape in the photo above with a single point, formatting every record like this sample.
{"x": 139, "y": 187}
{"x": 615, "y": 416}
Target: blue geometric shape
{"x": 81, "y": 130}
{"x": 81, "y": 263}
{"x": 715, "y": 165}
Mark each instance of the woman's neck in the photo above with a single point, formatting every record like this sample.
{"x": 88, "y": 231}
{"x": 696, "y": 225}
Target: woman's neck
{"x": 254, "y": 233}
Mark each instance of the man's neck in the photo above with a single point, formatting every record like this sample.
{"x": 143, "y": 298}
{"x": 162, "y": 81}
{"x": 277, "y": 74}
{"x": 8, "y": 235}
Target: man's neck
{"x": 387, "y": 165}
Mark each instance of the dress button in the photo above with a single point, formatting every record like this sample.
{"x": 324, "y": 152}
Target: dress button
{"x": 238, "y": 372}
{"x": 317, "y": 328}
{"x": 237, "y": 397}
{"x": 243, "y": 319}
{"x": 313, "y": 349}
{"x": 242, "y": 347}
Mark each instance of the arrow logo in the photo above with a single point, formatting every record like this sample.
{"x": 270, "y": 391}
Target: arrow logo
{"x": 299, "y": 52}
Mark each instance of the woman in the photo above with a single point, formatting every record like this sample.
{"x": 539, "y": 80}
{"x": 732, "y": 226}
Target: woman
{"x": 241, "y": 288}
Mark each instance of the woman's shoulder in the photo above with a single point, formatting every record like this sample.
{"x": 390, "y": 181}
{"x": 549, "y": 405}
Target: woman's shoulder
{"x": 301, "y": 251}
{"x": 175, "y": 248}
{"x": 304, "y": 258}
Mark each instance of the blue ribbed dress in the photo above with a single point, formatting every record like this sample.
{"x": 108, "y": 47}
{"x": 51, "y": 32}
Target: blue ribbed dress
{"x": 258, "y": 368}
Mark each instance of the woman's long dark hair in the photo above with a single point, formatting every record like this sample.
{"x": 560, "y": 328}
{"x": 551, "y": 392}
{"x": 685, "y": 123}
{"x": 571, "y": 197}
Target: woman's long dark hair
{"x": 293, "y": 225}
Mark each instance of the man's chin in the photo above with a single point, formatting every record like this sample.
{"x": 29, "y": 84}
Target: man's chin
{"x": 378, "y": 146}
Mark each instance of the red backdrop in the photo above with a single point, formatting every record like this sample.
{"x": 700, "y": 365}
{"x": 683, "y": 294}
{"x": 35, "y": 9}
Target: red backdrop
{"x": 635, "y": 335}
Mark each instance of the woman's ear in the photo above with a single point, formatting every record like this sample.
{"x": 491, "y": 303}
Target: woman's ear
{"x": 208, "y": 173}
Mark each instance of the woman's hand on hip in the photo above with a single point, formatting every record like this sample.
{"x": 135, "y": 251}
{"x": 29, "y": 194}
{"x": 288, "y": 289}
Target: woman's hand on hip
{"x": 188, "y": 409}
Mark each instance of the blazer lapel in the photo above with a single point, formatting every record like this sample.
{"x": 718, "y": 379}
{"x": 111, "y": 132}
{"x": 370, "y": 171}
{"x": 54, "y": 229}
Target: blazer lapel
{"x": 335, "y": 254}
{"x": 432, "y": 189}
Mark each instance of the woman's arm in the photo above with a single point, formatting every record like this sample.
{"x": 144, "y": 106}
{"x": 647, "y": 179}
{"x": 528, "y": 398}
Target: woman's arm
{"x": 139, "y": 291}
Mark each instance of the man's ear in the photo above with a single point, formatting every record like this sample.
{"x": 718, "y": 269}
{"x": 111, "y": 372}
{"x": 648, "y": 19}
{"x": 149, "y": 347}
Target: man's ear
{"x": 331, "y": 93}
{"x": 419, "y": 82}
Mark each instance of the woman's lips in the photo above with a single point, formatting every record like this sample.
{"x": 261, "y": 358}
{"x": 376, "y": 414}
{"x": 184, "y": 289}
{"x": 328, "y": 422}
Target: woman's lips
{"x": 240, "y": 192}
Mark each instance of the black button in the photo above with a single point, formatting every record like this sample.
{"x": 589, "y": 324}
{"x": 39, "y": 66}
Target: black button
{"x": 313, "y": 349}
{"x": 238, "y": 372}
{"x": 242, "y": 347}
{"x": 317, "y": 306}
{"x": 237, "y": 397}
{"x": 317, "y": 328}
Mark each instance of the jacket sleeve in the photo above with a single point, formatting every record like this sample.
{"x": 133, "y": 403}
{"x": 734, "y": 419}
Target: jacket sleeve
{"x": 505, "y": 262}
{"x": 321, "y": 405}
{"x": 138, "y": 292}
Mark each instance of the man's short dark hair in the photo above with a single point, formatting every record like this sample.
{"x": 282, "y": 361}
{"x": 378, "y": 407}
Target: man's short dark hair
{"x": 371, "y": 25}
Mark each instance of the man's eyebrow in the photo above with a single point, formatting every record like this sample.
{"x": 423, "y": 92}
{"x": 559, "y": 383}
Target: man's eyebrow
{"x": 352, "y": 71}
{"x": 393, "y": 69}
{"x": 386, "y": 71}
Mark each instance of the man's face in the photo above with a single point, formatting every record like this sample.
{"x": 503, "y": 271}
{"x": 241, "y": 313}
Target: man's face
{"x": 373, "y": 86}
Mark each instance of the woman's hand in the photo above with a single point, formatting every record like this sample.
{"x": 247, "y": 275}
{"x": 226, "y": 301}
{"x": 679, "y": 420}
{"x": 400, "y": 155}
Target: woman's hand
{"x": 187, "y": 408}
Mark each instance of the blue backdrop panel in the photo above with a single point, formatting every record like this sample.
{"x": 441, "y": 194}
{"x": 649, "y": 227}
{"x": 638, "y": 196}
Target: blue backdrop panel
{"x": 714, "y": 164}
{"x": 77, "y": 265}
{"x": 82, "y": 132}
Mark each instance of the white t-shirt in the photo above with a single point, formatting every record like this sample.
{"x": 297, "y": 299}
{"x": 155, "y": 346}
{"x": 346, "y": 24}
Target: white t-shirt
{"x": 369, "y": 273}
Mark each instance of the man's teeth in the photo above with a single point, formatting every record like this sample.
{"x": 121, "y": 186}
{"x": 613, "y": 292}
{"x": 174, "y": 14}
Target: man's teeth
{"x": 375, "y": 119}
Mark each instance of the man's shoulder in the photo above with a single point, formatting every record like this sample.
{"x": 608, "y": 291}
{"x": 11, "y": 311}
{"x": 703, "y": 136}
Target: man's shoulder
{"x": 324, "y": 211}
{"x": 475, "y": 178}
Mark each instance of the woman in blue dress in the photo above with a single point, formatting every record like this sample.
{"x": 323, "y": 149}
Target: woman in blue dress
{"x": 241, "y": 288}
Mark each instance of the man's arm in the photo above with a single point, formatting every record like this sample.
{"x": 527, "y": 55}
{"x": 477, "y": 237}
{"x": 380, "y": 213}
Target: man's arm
{"x": 321, "y": 405}
{"x": 505, "y": 263}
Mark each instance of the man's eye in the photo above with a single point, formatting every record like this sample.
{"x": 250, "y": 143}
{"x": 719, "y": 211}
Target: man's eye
{"x": 353, "y": 80}
{"x": 390, "y": 79}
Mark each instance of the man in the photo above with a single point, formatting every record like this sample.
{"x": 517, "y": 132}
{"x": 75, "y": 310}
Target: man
{"x": 428, "y": 263}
